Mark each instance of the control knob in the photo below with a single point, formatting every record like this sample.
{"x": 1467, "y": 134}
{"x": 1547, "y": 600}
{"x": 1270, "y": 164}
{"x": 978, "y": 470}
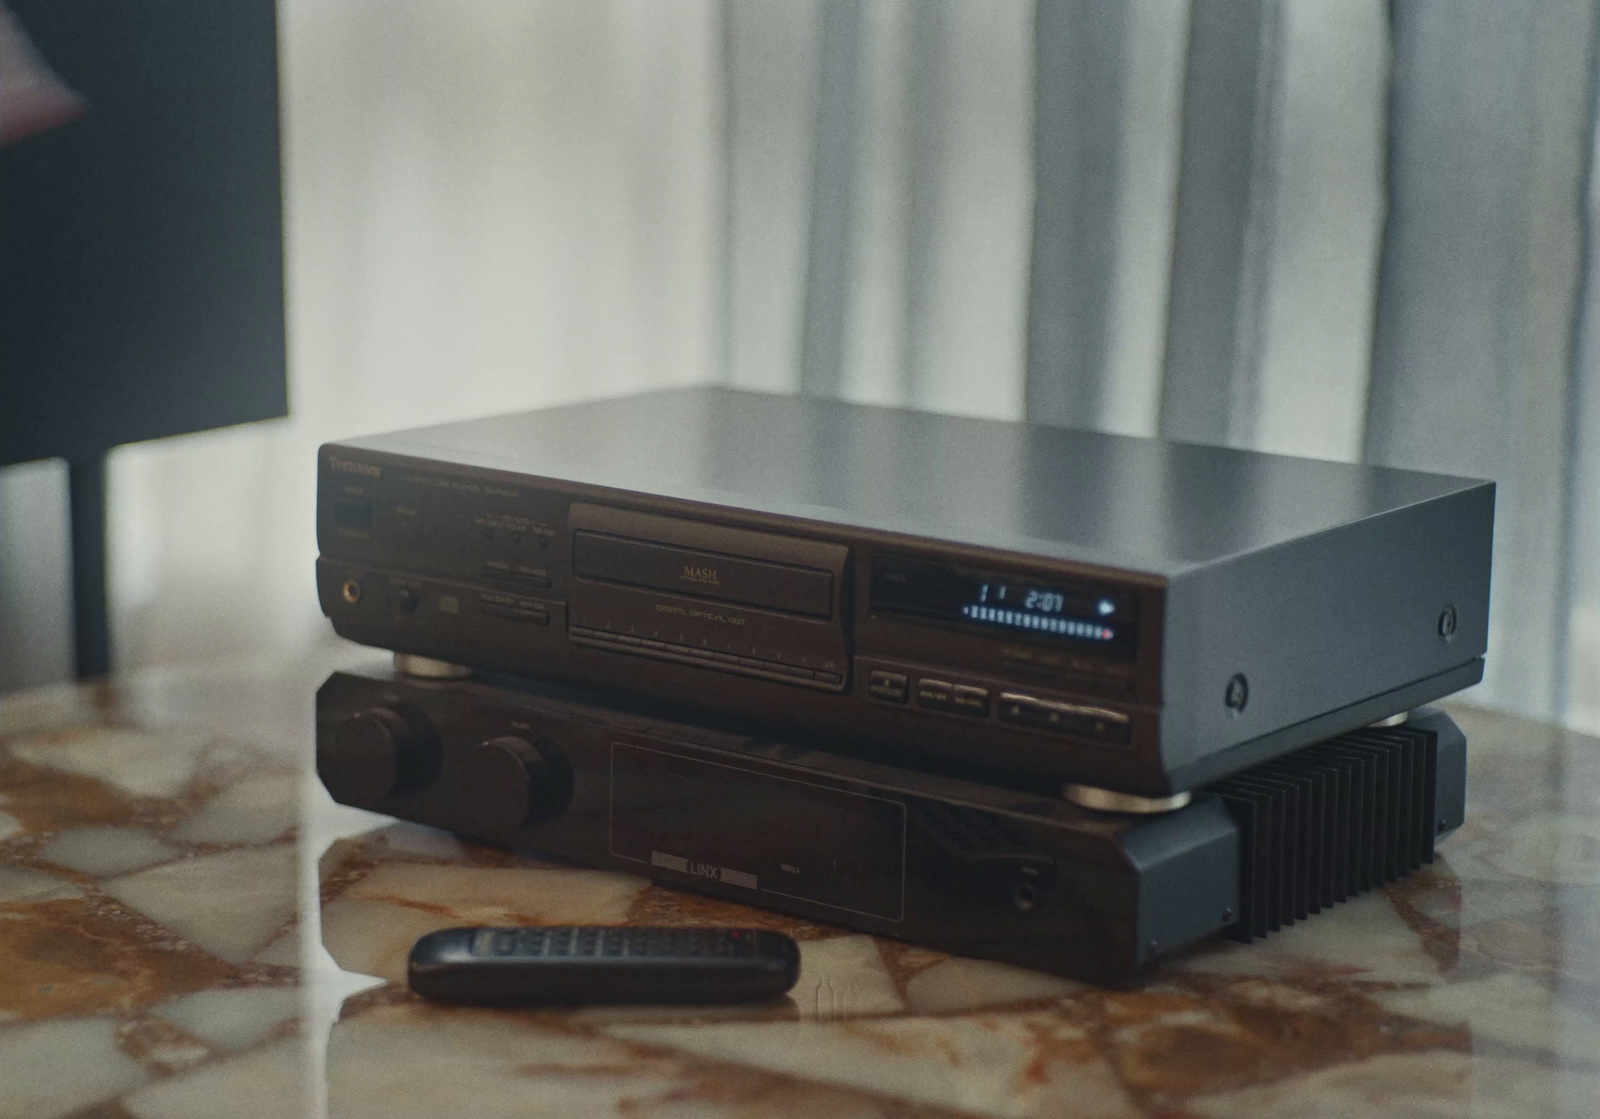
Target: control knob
{"x": 512, "y": 781}
{"x": 379, "y": 753}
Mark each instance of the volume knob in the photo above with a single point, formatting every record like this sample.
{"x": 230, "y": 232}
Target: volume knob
{"x": 509, "y": 782}
{"x": 379, "y": 753}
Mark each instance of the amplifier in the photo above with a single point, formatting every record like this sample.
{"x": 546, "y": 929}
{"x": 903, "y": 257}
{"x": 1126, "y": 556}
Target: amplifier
{"x": 1011, "y": 602}
{"x": 975, "y": 869}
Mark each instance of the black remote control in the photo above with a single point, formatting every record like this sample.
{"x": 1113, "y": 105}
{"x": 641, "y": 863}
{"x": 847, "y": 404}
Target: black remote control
{"x": 585, "y": 965}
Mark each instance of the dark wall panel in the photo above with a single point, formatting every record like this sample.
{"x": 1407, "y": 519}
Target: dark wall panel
{"x": 141, "y": 248}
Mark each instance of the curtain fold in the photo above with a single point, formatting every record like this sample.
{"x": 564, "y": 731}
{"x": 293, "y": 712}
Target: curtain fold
{"x": 1473, "y": 367}
{"x": 883, "y": 258}
{"x": 1225, "y": 215}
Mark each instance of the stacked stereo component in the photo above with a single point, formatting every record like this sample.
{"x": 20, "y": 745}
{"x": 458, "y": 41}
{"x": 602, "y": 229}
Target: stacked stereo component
{"x": 1068, "y": 700}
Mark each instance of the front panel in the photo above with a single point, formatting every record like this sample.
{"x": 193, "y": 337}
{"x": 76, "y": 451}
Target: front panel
{"x": 991, "y": 664}
{"x": 997, "y": 663}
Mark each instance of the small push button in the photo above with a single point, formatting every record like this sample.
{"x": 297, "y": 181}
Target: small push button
{"x": 532, "y": 576}
{"x": 969, "y": 700}
{"x": 936, "y": 695}
{"x": 887, "y": 686}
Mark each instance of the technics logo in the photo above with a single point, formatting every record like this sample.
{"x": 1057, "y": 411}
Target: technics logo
{"x": 349, "y": 466}
{"x": 707, "y": 575}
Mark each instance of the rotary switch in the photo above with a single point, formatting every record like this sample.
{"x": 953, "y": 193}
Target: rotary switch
{"x": 510, "y": 782}
{"x": 379, "y": 753}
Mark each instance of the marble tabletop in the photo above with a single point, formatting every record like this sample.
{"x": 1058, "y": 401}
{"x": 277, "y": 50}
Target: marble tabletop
{"x": 190, "y": 927}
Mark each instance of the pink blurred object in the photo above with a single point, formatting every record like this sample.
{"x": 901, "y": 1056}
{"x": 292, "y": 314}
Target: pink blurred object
{"x": 32, "y": 97}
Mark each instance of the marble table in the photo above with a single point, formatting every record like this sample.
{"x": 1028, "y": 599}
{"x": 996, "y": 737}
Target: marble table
{"x": 190, "y": 927}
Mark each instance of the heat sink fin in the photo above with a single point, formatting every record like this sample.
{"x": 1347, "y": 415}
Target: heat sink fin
{"x": 1342, "y": 817}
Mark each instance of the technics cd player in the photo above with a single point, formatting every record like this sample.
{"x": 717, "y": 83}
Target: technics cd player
{"x": 1018, "y": 602}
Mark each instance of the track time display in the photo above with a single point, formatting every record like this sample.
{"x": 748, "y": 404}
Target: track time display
{"x": 1078, "y": 614}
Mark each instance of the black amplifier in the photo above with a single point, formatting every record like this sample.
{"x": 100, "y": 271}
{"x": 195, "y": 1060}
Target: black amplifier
{"x": 975, "y": 869}
{"x": 1014, "y": 602}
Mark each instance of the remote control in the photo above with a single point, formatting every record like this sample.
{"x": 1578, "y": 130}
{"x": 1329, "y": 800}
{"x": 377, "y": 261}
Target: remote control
{"x": 584, "y": 965}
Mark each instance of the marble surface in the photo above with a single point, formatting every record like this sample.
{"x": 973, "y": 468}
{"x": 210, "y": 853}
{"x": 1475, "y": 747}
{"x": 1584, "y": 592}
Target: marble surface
{"x": 189, "y": 927}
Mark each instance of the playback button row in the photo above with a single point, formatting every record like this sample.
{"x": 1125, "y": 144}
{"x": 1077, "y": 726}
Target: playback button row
{"x": 1082, "y": 720}
{"x": 952, "y": 697}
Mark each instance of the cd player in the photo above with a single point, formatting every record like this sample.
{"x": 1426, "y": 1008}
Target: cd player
{"x": 1015, "y": 602}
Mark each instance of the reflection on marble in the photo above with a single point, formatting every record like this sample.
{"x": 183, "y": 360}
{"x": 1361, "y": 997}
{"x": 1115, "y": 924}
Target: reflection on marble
{"x": 1514, "y": 1011}
{"x": 412, "y": 1059}
{"x": 1364, "y": 938}
{"x": 156, "y": 909}
{"x": 230, "y": 903}
{"x": 139, "y": 763}
{"x": 233, "y": 1017}
{"x": 285, "y": 950}
{"x": 103, "y": 851}
{"x": 256, "y": 809}
{"x": 958, "y": 984}
{"x": 57, "y": 1067}
{"x": 126, "y": 927}
{"x": 268, "y": 1082}
{"x": 1025, "y": 1064}
{"x": 19, "y": 885}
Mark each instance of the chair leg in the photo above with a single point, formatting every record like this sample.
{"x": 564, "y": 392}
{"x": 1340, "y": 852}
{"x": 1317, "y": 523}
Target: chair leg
{"x": 86, "y": 480}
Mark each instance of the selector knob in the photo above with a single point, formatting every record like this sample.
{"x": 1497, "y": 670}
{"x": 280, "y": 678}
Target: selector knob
{"x": 379, "y": 753}
{"x": 512, "y": 781}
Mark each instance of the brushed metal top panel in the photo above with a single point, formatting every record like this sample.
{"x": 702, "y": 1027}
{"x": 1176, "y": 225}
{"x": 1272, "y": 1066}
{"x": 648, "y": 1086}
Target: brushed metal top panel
{"x": 1149, "y": 505}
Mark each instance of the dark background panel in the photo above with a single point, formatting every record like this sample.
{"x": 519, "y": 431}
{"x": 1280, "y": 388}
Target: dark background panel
{"x": 141, "y": 258}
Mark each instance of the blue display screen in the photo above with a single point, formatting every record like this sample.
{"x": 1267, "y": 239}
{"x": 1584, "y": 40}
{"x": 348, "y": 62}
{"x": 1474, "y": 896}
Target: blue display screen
{"x": 1079, "y": 614}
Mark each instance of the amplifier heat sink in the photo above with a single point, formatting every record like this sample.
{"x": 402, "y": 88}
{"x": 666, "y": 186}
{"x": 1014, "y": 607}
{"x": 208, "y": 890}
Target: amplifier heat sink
{"x": 1342, "y": 817}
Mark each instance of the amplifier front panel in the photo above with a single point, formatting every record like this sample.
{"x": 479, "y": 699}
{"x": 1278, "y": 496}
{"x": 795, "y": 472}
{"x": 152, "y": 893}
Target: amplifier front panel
{"x": 721, "y": 814}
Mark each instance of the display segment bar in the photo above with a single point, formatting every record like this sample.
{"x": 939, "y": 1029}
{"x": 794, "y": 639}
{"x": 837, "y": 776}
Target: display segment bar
{"x": 1098, "y": 619}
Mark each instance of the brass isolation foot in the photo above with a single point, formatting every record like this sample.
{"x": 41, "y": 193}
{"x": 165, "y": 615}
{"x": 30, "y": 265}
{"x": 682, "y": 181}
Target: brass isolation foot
{"x": 1109, "y": 800}
{"x": 410, "y": 664}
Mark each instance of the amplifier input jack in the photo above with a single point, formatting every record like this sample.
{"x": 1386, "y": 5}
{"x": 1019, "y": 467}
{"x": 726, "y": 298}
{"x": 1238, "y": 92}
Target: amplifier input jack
{"x": 1025, "y": 897}
{"x": 351, "y": 591}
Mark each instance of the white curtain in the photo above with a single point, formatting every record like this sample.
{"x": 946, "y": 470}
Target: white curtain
{"x": 489, "y": 206}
